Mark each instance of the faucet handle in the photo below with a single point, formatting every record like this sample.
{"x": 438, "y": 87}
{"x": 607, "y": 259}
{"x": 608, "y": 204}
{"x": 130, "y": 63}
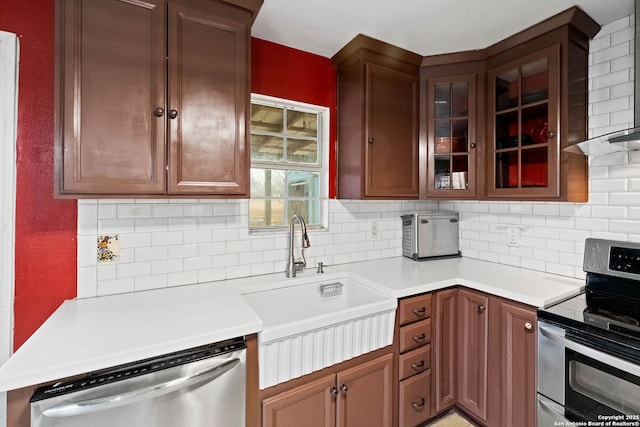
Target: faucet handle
{"x": 320, "y": 268}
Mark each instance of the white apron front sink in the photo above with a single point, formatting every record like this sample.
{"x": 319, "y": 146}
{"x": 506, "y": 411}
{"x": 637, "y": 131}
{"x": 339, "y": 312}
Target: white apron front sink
{"x": 314, "y": 322}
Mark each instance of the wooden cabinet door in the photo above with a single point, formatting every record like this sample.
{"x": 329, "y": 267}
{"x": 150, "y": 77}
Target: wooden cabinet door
{"x": 365, "y": 394}
{"x": 517, "y": 327}
{"x": 444, "y": 349}
{"x": 208, "y": 103}
{"x": 524, "y": 126}
{"x": 111, "y": 78}
{"x": 451, "y": 136}
{"x": 472, "y": 352}
{"x": 391, "y": 137}
{"x": 310, "y": 405}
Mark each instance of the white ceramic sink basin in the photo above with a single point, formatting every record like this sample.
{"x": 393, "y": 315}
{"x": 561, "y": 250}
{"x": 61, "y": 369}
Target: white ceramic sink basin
{"x": 314, "y": 322}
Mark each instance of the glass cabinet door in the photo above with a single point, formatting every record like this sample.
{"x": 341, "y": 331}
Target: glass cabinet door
{"x": 451, "y": 136}
{"x": 524, "y": 103}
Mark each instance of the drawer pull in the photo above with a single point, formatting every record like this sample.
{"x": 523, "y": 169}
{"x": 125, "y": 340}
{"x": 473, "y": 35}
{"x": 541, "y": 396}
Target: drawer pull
{"x": 419, "y": 338}
{"x": 418, "y": 366}
{"x": 419, "y": 311}
{"x": 418, "y": 405}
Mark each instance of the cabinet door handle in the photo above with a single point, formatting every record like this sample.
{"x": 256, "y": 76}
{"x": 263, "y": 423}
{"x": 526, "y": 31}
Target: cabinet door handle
{"x": 333, "y": 391}
{"x": 344, "y": 389}
{"x": 173, "y": 113}
{"x": 418, "y": 405}
{"x": 419, "y": 338}
{"x": 419, "y": 311}
{"x": 551, "y": 134}
{"x": 370, "y": 140}
{"x": 158, "y": 112}
{"x": 528, "y": 326}
{"x": 481, "y": 308}
{"x": 418, "y": 366}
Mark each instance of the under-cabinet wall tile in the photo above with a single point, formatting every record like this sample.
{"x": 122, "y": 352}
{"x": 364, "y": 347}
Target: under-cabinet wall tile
{"x": 145, "y": 283}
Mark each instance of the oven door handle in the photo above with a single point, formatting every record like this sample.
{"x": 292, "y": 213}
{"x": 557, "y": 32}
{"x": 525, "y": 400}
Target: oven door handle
{"x": 112, "y": 401}
{"x": 605, "y": 358}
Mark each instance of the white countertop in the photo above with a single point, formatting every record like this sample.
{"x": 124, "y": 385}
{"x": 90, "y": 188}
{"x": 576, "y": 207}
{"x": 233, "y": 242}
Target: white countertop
{"x": 89, "y": 334}
{"x": 96, "y": 333}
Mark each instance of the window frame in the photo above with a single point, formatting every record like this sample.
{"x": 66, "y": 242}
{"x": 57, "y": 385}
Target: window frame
{"x": 322, "y": 168}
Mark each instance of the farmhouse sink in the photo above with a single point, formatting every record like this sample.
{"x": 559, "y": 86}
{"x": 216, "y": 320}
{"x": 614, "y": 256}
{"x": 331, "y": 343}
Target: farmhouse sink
{"x": 314, "y": 322}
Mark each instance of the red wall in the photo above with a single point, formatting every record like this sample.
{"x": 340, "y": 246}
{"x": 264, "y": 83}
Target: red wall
{"x": 46, "y": 228}
{"x": 288, "y": 73}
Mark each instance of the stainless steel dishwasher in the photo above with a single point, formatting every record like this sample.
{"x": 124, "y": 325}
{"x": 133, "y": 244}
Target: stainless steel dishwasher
{"x": 203, "y": 386}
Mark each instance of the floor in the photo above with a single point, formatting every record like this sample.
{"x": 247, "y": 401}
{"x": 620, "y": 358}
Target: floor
{"x": 452, "y": 419}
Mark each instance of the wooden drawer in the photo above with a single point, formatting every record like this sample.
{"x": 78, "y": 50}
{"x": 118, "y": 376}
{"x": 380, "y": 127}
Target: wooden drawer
{"x": 415, "y": 399}
{"x": 415, "y": 335}
{"x": 414, "y": 362}
{"x": 414, "y": 309}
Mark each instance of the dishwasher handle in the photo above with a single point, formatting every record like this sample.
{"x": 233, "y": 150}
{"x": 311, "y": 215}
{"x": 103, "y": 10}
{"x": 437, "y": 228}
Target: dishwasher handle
{"x": 112, "y": 401}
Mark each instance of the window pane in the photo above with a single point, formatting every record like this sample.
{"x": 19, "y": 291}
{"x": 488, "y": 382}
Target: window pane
{"x": 266, "y": 119}
{"x": 263, "y": 213}
{"x": 534, "y": 167}
{"x": 267, "y": 183}
{"x": 302, "y": 151}
{"x": 460, "y": 100}
{"x": 507, "y": 169}
{"x": 302, "y": 124}
{"x": 303, "y": 184}
{"x": 535, "y": 81}
{"x": 442, "y": 172}
{"x": 507, "y": 90}
{"x": 267, "y": 148}
{"x": 443, "y": 101}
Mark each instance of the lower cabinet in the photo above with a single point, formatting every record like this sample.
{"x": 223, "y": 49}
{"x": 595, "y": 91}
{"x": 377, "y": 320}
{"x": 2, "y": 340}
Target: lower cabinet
{"x": 473, "y": 340}
{"x": 445, "y": 349}
{"x": 414, "y": 335}
{"x": 516, "y": 335}
{"x": 484, "y": 357}
{"x": 358, "y": 396}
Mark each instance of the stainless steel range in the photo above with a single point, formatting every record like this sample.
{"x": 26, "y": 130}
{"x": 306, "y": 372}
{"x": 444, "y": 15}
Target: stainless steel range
{"x": 589, "y": 345}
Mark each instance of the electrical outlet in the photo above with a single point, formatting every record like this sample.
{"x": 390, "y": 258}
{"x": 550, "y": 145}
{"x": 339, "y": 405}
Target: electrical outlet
{"x": 374, "y": 230}
{"x": 513, "y": 236}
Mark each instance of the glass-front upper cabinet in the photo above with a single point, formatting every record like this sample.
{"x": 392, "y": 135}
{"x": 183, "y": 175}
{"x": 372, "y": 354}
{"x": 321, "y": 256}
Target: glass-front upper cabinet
{"x": 451, "y": 136}
{"x": 523, "y": 126}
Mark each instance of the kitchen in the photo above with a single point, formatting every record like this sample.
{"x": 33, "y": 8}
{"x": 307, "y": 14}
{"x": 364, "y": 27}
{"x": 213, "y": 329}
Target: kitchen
{"x": 552, "y": 239}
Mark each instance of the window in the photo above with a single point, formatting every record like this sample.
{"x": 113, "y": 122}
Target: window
{"x": 288, "y": 162}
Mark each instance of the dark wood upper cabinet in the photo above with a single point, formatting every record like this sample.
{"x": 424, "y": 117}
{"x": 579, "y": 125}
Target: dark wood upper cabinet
{"x": 152, "y": 97}
{"x": 537, "y": 106}
{"x": 451, "y": 129}
{"x": 377, "y": 120}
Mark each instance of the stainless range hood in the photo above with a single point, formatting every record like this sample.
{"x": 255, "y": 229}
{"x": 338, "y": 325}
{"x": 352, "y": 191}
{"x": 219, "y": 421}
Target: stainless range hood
{"x": 628, "y": 139}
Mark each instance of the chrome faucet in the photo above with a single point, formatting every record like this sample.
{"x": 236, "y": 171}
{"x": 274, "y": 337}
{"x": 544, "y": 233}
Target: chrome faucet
{"x": 292, "y": 265}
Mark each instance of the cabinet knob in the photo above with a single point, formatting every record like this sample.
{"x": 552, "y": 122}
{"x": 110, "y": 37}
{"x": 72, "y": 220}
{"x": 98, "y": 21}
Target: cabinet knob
{"x": 333, "y": 391}
{"x": 370, "y": 140}
{"x": 173, "y": 114}
{"x": 418, "y": 366}
{"x": 418, "y": 405}
{"x": 344, "y": 389}
{"x": 551, "y": 134}
{"x": 159, "y": 112}
{"x": 528, "y": 326}
{"x": 419, "y": 311}
{"x": 419, "y": 338}
{"x": 473, "y": 145}
{"x": 481, "y": 308}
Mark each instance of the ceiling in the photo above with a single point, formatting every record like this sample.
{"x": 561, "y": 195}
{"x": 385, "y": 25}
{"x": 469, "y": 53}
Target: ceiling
{"x": 426, "y": 27}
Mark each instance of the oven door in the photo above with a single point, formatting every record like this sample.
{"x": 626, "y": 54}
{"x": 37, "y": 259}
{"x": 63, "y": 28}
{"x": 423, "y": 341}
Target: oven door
{"x": 584, "y": 383}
